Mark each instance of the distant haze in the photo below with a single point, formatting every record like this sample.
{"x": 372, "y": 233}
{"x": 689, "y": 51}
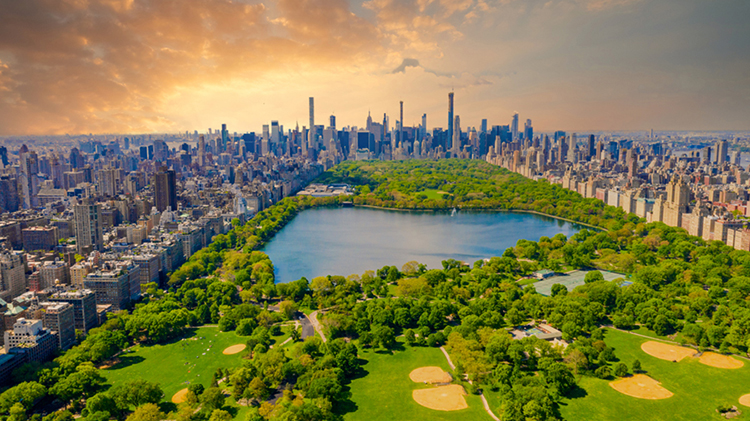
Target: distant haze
{"x": 135, "y": 66}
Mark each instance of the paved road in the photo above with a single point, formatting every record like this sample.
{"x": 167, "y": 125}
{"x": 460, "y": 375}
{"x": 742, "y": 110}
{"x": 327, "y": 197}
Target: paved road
{"x": 307, "y": 328}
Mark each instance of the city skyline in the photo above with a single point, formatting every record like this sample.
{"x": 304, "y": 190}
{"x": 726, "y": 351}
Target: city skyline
{"x": 583, "y": 65}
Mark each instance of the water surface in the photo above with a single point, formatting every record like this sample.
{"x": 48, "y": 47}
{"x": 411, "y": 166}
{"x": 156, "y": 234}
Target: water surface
{"x": 343, "y": 241}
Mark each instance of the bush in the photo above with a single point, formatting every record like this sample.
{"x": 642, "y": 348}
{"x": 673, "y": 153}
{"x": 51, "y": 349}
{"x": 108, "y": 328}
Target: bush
{"x": 603, "y": 372}
{"x": 621, "y": 370}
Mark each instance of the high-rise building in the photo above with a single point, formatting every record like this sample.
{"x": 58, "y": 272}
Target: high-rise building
{"x": 165, "y": 190}
{"x": 514, "y": 126}
{"x": 108, "y": 182}
{"x": 60, "y": 319}
{"x": 30, "y": 339}
{"x": 484, "y": 125}
{"x": 450, "y": 116}
{"x": 224, "y": 137}
{"x": 528, "y": 131}
{"x": 84, "y": 306}
{"x": 456, "y": 143}
{"x": 311, "y": 133}
{"x": 400, "y": 136}
{"x": 424, "y": 126}
{"x": 333, "y": 122}
{"x": 12, "y": 275}
{"x": 722, "y": 150}
{"x": 592, "y": 146}
{"x": 89, "y": 230}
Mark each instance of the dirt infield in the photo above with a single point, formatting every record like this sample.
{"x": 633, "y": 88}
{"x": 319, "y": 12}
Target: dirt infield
{"x": 179, "y": 397}
{"x": 719, "y": 361}
{"x": 442, "y": 398}
{"x": 745, "y": 400}
{"x": 430, "y": 375}
{"x": 666, "y": 351}
{"x": 234, "y": 349}
{"x": 641, "y": 386}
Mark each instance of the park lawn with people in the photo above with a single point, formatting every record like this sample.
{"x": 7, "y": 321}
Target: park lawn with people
{"x": 193, "y": 358}
{"x": 383, "y": 389}
{"x": 698, "y": 389}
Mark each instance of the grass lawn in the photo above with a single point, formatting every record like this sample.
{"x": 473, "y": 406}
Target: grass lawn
{"x": 385, "y": 393}
{"x": 432, "y": 194}
{"x": 176, "y": 365}
{"x": 698, "y": 389}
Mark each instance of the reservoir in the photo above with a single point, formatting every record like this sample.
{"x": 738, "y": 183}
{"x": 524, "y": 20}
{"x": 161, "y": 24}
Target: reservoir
{"x": 345, "y": 241}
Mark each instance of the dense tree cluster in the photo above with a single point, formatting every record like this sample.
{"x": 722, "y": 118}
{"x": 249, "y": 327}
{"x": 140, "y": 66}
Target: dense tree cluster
{"x": 678, "y": 285}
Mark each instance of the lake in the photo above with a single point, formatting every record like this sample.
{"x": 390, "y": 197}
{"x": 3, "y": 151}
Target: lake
{"x": 344, "y": 241}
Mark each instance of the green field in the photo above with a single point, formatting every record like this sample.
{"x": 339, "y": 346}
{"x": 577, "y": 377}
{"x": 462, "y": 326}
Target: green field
{"x": 698, "y": 389}
{"x": 385, "y": 392}
{"x": 432, "y": 194}
{"x": 177, "y": 364}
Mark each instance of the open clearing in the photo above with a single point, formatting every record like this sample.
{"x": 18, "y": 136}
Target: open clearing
{"x": 386, "y": 392}
{"x": 234, "y": 349}
{"x": 698, "y": 389}
{"x": 666, "y": 351}
{"x": 442, "y": 398}
{"x": 430, "y": 375}
{"x": 178, "y": 364}
{"x": 570, "y": 280}
{"x": 720, "y": 361}
{"x": 642, "y": 387}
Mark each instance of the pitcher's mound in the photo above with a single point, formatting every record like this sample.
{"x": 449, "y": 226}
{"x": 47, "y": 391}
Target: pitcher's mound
{"x": 641, "y": 386}
{"x": 442, "y": 398}
{"x": 666, "y": 351}
{"x": 719, "y": 361}
{"x": 234, "y": 349}
{"x": 745, "y": 400}
{"x": 179, "y": 397}
{"x": 430, "y": 375}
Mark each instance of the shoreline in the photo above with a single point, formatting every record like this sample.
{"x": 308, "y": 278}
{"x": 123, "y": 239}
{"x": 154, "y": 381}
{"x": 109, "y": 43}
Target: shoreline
{"x": 485, "y": 210}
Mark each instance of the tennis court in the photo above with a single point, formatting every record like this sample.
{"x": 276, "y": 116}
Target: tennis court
{"x": 570, "y": 280}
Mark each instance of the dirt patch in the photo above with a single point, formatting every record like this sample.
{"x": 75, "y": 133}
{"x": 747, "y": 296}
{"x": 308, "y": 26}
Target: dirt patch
{"x": 719, "y": 361}
{"x": 430, "y": 375}
{"x": 442, "y": 398}
{"x": 666, "y": 351}
{"x": 641, "y": 386}
{"x": 109, "y": 364}
{"x": 179, "y": 397}
{"x": 745, "y": 400}
{"x": 234, "y": 349}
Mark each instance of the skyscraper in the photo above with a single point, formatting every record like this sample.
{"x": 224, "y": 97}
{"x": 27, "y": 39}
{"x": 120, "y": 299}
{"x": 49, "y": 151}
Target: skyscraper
{"x": 165, "y": 190}
{"x": 333, "y": 122}
{"x": 514, "y": 126}
{"x": 224, "y": 137}
{"x": 484, "y": 125}
{"x": 89, "y": 232}
{"x": 424, "y": 126}
{"x": 450, "y": 115}
{"x": 401, "y": 124}
{"x": 311, "y": 132}
{"x": 456, "y": 143}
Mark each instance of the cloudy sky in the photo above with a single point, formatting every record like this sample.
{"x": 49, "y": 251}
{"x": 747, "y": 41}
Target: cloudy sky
{"x": 135, "y": 66}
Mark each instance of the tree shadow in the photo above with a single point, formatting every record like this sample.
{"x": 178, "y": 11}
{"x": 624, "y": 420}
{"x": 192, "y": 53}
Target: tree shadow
{"x": 167, "y": 407}
{"x": 347, "y": 405}
{"x": 577, "y": 393}
{"x": 126, "y": 361}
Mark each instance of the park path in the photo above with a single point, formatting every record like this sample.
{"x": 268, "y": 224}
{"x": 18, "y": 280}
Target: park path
{"x": 316, "y": 324}
{"x": 481, "y": 394}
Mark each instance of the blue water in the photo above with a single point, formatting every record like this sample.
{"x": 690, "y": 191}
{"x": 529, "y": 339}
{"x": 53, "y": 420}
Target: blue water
{"x": 344, "y": 241}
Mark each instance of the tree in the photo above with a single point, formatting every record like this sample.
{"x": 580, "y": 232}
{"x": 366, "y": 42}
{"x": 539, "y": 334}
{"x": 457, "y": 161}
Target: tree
{"x": 593, "y": 276}
{"x": 220, "y": 415}
{"x": 621, "y": 370}
{"x": 212, "y": 398}
{"x": 147, "y": 412}
{"x": 603, "y": 372}
{"x": 384, "y": 336}
{"x": 137, "y": 393}
{"x": 196, "y": 388}
{"x": 560, "y": 377}
{"x": 637, "y": 366}
{"x": 559, "y": 289}
{"x": 26, "y": 393}
{"x": 85, "y": 381}
{"x": 288, "y": 309}
{"x": 410, "y": 337}
{"x": 17, "y": 412}
{"x": 257, "y": 389}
